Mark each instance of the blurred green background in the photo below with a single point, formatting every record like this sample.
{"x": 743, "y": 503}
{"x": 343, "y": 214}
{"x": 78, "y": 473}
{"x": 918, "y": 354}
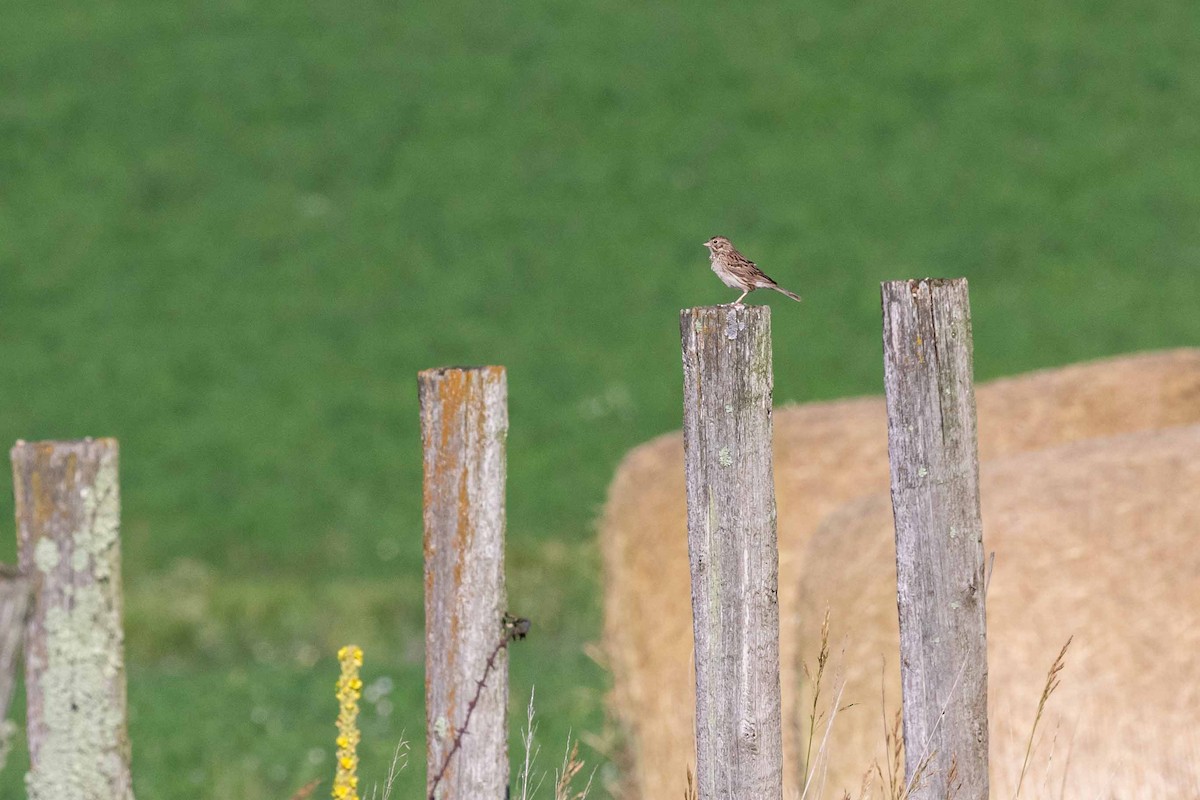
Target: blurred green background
{"x": 231, "y": 233}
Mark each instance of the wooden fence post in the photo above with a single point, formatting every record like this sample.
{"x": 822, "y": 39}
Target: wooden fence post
{"x": 927, "y": 352}
{"x": 732, "y": 548}
{"x": 68, "y": 517}
{"x": 14, "y": 603}
{"x": 464, "y": 424}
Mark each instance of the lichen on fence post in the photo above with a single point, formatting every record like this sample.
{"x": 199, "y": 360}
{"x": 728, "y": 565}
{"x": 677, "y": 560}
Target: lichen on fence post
{"x": 932, "y": 448}
{"x": 68, "y": 516}
{"x": 464, "y": 425}
{"x": 732, "y": 548}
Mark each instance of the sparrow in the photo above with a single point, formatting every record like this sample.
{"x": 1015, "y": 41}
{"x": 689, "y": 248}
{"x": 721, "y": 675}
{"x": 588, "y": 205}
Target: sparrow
{"x": 738, "y": 272}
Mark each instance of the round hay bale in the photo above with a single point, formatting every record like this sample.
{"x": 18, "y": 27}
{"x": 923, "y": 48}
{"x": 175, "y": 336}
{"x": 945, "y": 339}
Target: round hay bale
{"x": 1094, "y": 540}
{"x": 825, "y": 453}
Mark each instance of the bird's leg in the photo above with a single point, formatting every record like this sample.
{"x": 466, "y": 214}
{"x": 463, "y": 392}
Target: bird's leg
{"x": 738, "y": 302}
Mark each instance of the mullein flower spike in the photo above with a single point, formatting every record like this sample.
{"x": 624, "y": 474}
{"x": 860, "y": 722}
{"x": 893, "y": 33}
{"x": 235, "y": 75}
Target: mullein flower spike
{"x": 349, "y": 689}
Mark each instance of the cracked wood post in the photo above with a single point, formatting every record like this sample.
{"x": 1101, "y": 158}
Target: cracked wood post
{"x": 927, "y": 351}
{"x": 68, "y": 516}
{"x": 732, "y": 548}
{"x": 464, "y": 424}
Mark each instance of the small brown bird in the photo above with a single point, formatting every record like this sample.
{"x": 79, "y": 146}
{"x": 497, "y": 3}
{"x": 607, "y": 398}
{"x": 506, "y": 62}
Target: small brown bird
{"x": 738, "y": 272}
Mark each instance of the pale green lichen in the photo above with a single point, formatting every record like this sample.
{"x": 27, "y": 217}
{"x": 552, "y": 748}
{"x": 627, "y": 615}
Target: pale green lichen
{"x": 46, "y": 555}
{"x": 97, "y": 536}
{"x": 84, "y": 745}
{"x": 725, "y": 457}
{"x": 84, "y": 748}
{"x": 441, "y": 727}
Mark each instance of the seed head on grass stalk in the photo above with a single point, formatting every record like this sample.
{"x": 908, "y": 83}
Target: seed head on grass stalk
{"x": 349, "y": 689}
{"x": 571, "y": 766}
{"x": 1052, "y": 680}
{"x": 815, "y": 764}
{"x": 689, "y": 792}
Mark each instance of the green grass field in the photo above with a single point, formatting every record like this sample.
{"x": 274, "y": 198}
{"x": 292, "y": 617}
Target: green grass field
{"x": 232, "y": 233}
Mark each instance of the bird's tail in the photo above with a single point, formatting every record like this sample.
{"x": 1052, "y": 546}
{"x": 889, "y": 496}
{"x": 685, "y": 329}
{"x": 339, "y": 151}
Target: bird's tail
{"x": 782, "y": 290}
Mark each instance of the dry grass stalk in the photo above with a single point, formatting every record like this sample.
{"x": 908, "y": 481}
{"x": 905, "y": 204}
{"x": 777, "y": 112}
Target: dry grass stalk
{"x": 531, "y": 750}
{"x": 894, "y": 748}
{"x": 897, "y": 788}
{"x": 690, "y": 792}
{"x": 952, "y": 782}
{"x": 864, "y": 791}
{"x": 1052, "y": 681}
{"x": 823, "y": 750}
{"x": 571, "y": 767}
{"x": 922, "y": 770}
{"x": 814, "y": 764}
{"x": 399, "y": 763}
{"x": 815, "y": 680}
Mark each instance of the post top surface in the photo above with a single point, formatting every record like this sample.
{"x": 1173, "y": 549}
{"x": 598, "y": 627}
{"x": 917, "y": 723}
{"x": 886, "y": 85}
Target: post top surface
{"x": 438, "y": 372}
{"x": 725, "y": 308}
{"x": 932, "y": 282}
{"x": 447, "y": 378}
{"x": 22, "y": 446}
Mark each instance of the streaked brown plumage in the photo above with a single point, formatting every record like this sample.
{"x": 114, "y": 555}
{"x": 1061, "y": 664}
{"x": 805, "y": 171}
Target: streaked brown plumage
{"x": 738, "y": 272}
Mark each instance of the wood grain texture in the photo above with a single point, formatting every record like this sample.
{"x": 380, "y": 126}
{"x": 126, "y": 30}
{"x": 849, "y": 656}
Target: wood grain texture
{"x": 727, "y": 385}
{"x": 464, "y": 425}
{"x": 68, "y": 518}
{"x": 14, "y": 604}
{"x": 932, "y": 449}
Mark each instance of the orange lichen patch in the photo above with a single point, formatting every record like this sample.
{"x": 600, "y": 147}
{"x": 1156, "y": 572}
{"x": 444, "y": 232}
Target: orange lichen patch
{"x": 457, "y": 388}
{"x": 452, "y": 391}
{"x": 458, "y": 458}
{"x": 463, "y": 528}
{"x": 44, "y": 504}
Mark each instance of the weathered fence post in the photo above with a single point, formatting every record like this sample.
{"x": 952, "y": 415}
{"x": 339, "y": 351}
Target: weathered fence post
{"x": 68, "y": 517}
{"x": 927, "y": 351}
{"x": 732, "y": 548}
{"x": 14, "y": 603}
{"x": 464, "y": 424}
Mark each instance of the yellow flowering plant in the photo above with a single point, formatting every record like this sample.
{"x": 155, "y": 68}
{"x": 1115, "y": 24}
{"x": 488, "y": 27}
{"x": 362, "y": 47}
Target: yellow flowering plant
{"x": 349, "y": 689}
